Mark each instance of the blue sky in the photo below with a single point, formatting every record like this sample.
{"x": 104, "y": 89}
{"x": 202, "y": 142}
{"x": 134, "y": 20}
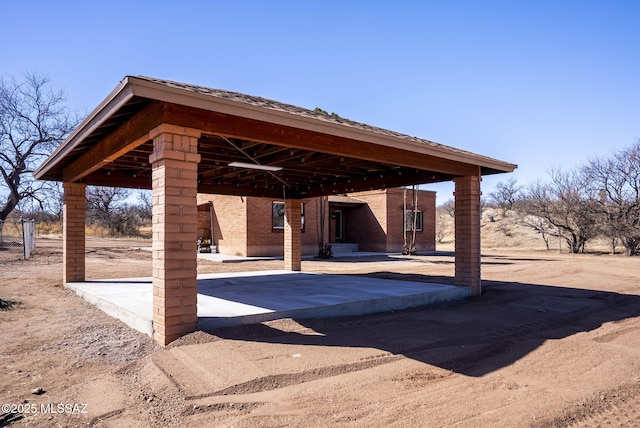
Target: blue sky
{"x": 537, "y": 83}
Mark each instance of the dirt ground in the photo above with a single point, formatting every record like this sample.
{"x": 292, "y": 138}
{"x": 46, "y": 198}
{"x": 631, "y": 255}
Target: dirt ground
{"x": 553, "y": 341}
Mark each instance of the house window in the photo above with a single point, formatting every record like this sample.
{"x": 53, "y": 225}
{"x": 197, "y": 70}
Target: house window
{"x": 277, "y": 216}
{"x": 408, "y": 221}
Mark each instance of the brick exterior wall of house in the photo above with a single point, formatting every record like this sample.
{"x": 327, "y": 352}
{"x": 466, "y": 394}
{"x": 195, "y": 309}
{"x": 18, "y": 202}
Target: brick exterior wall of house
{"x": 425, "y": 238}
{"x": 367, "y": 224}
{"x": 379, "y": 224}
{"x": 229, "y": 222}
{"x": 204, "y": 221}
{"x": 243, "y": 225}
{"x": 264, "y": 240}
{"x": 428, "y": 201}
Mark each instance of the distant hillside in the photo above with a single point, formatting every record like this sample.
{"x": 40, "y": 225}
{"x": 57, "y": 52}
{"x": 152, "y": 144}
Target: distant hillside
{"x": 499, "y": 232}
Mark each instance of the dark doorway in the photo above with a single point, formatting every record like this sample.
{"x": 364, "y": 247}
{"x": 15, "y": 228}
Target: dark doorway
{"x": 338, "y": 226}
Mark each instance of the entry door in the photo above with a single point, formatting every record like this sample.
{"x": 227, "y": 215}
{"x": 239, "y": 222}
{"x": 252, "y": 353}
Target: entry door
{"x": 338, "y": 226}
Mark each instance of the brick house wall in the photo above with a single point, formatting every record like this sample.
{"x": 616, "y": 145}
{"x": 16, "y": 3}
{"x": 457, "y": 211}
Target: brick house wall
{"x": 367, "y": 224}
{"x": 426, "y": 238}
{"x": 243, "y": 225}
{"x": 229, "y": 223}
{"x": 380, "y": 224}
{"x": 204, "y": 221}
{"x": 264, "y": 240}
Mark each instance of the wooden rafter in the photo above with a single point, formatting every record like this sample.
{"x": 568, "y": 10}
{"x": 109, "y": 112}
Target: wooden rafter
{"x": 242, "y": 128}
{"x": 127, "y": 137}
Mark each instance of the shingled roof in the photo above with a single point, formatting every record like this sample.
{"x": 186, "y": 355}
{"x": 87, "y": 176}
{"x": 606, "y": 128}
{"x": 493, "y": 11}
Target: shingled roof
{"x": 339, "y": 153}
{"x": 316, "y": 114}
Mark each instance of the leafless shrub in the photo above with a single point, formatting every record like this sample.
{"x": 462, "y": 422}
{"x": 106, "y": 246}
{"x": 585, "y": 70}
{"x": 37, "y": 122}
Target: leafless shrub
{"x": 564, "y": 203}
{"x": 614, "y": 184}
{"x": 443, "y": 228}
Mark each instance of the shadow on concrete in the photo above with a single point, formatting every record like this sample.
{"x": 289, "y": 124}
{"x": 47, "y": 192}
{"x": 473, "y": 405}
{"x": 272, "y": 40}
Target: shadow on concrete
{"x": 253, "y": 297}
{"x": 474, "y": 337}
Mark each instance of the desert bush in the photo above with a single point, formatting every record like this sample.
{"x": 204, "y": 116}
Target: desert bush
{"x": 614, "y": 184}
{"x": 600, "y": 199}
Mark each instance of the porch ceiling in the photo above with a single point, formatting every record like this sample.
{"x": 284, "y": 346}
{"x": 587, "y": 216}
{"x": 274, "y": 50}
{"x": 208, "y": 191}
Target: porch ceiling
{"x": 319, "y": 154}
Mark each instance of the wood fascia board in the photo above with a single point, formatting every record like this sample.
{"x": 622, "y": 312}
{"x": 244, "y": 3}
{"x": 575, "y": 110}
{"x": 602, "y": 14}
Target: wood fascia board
{"x": 188, "y": 98}
{"x": 243, "y": 128}
{"x": 112, "y": 103}
{"x": 128, "y": 136}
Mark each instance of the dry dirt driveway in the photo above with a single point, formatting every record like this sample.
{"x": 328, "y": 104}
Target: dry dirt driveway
{"x": 554, "y": 341}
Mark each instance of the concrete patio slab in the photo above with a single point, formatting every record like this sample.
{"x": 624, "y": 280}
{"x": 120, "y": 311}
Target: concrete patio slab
{"x": 230, "y": 258}
{"x": 236, "y": 298}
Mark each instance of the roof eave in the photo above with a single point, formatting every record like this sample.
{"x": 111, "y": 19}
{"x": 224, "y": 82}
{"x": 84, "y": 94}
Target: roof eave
{"x": 114, "y": 101}
{"x": 132, "y": 86}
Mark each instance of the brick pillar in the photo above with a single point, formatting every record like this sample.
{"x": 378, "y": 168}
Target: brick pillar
{"x": 175, "y": 227}
{"x": 467, "y": 239}
{"x": 292, "y": 235}
{"x": 73, "y": 242}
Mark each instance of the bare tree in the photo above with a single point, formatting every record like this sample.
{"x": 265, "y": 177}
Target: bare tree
{"x": 50, "y": 207}
{"x": 442, "y": 228}
{"x": 506, "y": 195}
{"x": 33, "y": 122}
{"x": 448, "y": 208}
{"x": 106, "y": 208}
{"x": 541, "y": 226}
{"x": 615, "y": 184}
{"x": 444, "y": 216}
{"x": 504, "y": 198}
{"x": 564, "y": 202}
{"x": 145, "y": 204}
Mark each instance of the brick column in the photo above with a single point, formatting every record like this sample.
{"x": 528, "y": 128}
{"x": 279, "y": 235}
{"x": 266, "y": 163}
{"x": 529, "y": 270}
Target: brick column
{"x": 73, "y": 241}
{"x": 175, "y": 228}
{"x": 467, "y": 239}
{"x": 292, "y": 235}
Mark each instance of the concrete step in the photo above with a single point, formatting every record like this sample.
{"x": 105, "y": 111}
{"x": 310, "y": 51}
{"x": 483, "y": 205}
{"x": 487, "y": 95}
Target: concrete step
{"x": 343, "y": 247}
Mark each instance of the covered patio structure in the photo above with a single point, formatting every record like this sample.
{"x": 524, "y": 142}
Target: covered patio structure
{"x": 180, "y": 140}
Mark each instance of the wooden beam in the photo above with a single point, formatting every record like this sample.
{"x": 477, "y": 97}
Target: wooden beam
{"x": 128, "y": 136}
{"x": 116, "y": 179}
{"x": 387, "y": 181}
{"x": 230, "y": 189}
{"x": 249, "y": 129}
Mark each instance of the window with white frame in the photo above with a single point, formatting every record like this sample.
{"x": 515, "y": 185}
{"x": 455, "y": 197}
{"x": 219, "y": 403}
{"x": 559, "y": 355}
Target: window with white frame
{"x": 277, "y": 216}
{"x": 408, "y": 220}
